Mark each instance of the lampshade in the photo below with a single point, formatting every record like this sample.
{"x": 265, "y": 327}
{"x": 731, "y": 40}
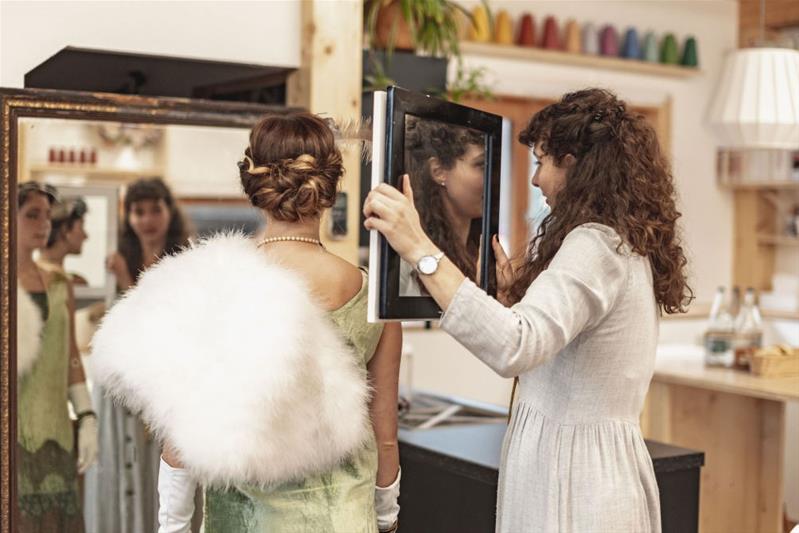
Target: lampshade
{"x": 757, "y": 100}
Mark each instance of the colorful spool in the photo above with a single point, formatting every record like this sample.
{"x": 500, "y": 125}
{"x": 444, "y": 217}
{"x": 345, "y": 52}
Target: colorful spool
{"x": 631, "y": 49}
{"x": 503, "y": 28}
{"x": 690, "y": 56}
{"x": 551, "y": 36}
{"x": 526, "y": 31}
{"x": 590, "y": 39}
{"x": 609, "y": 41}
{"x": 651, "y": 52}
{"x": 481, "y": 30}
{"x": 572, "y": 39}
{"x": 668, "y": 51}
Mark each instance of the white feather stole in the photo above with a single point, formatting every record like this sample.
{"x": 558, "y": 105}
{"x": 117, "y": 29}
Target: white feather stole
{"x": 224, "y": 354}
{"x": 29, "y": 331}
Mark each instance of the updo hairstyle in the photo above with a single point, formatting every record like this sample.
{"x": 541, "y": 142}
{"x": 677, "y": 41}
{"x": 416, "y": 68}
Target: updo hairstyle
{"x": 292, "y": 167}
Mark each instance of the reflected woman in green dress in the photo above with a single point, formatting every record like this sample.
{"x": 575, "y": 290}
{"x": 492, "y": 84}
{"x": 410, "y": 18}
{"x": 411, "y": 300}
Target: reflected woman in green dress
{"x": 48, "y": 465}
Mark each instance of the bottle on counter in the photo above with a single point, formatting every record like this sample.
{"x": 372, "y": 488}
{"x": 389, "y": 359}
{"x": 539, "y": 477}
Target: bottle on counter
{"x": 720, "y": 331}
{"x": 748, "y": 330}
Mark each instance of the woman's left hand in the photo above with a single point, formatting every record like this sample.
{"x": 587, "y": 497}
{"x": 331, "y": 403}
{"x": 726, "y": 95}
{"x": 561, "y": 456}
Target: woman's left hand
{"x": 394, "y": 215}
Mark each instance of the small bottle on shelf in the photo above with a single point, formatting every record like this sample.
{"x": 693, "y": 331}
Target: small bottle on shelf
{"x": 748, "y": 330}
{"x": 720, "y": 331}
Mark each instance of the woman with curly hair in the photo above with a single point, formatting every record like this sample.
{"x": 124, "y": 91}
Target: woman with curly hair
{"x": 152, "y": 226}
{"x": 446, "y": 164}
{"x": 121, "y": 489}
{"x": 576, "y": 321}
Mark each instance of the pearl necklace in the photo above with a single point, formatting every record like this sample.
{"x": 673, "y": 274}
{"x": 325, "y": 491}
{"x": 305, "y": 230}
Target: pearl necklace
{"x": 292, "y": 238}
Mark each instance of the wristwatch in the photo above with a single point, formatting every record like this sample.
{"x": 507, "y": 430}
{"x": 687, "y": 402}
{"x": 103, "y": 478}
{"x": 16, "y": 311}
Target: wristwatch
{"x": 428, "y": 264}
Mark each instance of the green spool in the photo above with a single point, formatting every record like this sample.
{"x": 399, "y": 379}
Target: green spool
{"x": 690, "y": 57}
{"x": 668, "y": 51}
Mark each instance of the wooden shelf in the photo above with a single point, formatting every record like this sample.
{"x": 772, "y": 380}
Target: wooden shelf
{"x": 540, "y": 55}
{"x": 777, "y": 240}
{"x": 764, "y": 185}
{"x": 94, "y": 172}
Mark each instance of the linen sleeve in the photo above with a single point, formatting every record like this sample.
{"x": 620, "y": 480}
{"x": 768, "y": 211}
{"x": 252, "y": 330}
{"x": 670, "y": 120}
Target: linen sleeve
{"x": 577, "y": 290}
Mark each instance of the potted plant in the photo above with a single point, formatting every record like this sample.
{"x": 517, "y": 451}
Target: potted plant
{"x": 430, "y": 27}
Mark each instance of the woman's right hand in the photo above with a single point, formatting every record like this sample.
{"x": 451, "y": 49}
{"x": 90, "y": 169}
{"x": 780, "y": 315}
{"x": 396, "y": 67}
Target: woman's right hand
{"x": 505, "y": 273}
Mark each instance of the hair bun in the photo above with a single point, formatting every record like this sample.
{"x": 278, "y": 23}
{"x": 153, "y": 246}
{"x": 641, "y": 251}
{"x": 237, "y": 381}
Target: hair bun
{"x": 292, "y": 167}
{"x": 293, "y": 189}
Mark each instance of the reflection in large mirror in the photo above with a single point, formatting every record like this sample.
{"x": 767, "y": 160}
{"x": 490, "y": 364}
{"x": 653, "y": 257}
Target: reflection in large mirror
{"x": 98, "y": 202}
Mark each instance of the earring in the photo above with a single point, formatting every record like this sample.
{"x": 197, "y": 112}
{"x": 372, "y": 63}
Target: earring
{"x": 443, "y": 183}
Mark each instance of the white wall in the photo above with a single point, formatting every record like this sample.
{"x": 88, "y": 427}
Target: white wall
{"x": 261, "y": 33}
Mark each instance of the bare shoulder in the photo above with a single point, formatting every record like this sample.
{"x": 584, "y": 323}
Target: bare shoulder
{"x": 333, "y": 280}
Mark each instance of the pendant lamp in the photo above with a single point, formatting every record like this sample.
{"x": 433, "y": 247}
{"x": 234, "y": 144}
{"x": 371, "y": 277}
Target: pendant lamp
{"x": 756, "y": 104}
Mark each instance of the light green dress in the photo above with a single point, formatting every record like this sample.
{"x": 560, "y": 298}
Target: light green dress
{"x": 338, "y": 501}
{"x": 47, "y": 486}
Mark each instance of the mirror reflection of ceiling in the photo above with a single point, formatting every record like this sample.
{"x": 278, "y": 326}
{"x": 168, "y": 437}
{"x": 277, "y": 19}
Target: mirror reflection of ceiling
{"x": 196, "y": 161}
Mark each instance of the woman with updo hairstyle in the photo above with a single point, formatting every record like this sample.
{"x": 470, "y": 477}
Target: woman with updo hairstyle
{"x": 283, "y": 404}
{"x": 575, "y": 320}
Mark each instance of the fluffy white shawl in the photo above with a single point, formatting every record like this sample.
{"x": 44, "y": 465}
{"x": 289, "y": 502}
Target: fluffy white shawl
{"x": 224, "y": 354}
{"x": 29, "y": 331}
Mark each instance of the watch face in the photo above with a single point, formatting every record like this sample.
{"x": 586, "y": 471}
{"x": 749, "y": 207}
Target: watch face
{"x": 427, "y": 264}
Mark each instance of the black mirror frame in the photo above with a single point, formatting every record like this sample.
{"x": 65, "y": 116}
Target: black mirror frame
{"x": 400, "y": 102}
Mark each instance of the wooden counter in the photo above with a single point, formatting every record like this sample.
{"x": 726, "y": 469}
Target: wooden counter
{"x": 738, "y": 420}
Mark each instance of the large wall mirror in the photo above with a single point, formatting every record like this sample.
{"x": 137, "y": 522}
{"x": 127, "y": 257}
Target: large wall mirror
{"x": 91, "y": 184}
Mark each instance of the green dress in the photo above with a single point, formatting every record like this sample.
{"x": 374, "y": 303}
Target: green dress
{"x": 338, "y": 501}
{"x": 47, "y": 486}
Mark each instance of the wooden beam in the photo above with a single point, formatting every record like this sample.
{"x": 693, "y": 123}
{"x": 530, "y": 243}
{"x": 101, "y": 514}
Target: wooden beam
{"x": 329, "y": 82}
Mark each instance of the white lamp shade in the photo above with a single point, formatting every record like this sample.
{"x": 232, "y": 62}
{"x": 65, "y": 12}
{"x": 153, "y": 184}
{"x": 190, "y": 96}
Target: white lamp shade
{"x": 757, "y": 100}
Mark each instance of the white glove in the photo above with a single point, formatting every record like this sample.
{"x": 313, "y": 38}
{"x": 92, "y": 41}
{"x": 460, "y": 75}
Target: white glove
{"x": 175, "y": 499}
{"x": 386, "y": 505}
{"x": 87, "y": 425}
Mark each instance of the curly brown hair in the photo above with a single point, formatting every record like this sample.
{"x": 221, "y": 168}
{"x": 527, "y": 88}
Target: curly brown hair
{"x": 424, "y": 140}
{"x": 621, "y": 179}
{"x": 292, "y": 167}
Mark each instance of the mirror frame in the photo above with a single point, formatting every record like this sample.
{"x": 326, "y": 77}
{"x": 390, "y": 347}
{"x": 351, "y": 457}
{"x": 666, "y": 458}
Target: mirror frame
{"x": 43, "y": 103}
{"x": 399, "y": 103}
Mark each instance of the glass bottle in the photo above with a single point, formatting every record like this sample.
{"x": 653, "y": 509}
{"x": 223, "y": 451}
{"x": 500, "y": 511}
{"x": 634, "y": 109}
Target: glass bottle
{"x": 720, "y": 331}
{"x": 748, "y": 330}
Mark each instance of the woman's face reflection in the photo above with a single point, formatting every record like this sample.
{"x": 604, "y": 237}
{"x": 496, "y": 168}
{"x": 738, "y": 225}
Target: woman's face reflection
{"x": 33, "y": 222}
{"x": 149, "y": 220}
{"x": 463, "y": 184}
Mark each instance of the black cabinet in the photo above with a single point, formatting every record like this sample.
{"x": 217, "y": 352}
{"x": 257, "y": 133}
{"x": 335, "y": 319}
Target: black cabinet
{"x": 449, "y": 480}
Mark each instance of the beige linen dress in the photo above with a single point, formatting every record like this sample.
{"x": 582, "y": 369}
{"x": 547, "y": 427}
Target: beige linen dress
{"x": 582, "y": 342}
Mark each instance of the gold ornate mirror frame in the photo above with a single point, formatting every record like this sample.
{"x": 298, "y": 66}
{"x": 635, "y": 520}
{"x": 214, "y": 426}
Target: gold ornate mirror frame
{"x": 18, "y": 103}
